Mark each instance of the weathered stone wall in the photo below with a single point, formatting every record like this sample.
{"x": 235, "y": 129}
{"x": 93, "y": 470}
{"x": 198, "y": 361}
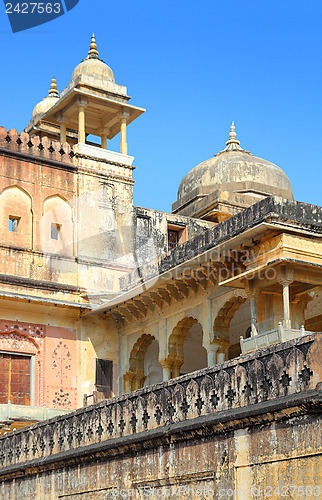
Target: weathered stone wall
{"x": 151, "y": 231}
{"x": 248, "y": 427}
{"x": 43, "y": 182}
{"x": 269, "y": 209}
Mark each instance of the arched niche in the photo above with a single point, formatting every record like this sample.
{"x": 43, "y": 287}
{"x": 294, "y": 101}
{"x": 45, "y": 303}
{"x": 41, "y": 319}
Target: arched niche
{"x": 56, "y": 226}
{"x": 16, "y": 217}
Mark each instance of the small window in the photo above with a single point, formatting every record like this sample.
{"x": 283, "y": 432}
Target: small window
{"x": 54, "y": 231}
{"x": 104, "y": 378}
{"x": 173, "y": 239}
{"x": 13, "y": 223}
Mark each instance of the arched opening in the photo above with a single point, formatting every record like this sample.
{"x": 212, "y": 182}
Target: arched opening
{"x": 186, "y": 352}
{"x": 194, "y": 354}
{"x": 232, "y": 321}
{"x": 144, "y": 365}
{"x": 239, "y": 326}
{"x": 152, "y": 367}
{"x": 56, "y": 226}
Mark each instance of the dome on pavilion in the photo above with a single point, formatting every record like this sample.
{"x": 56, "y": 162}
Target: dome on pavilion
{"x": 48, "y": 101}
{"x": 93, "y": 66}
{"x": 236, "y": 170}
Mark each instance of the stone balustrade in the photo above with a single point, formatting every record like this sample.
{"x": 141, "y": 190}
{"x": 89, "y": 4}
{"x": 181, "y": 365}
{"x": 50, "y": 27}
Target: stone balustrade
{"x": 258, "y": 381}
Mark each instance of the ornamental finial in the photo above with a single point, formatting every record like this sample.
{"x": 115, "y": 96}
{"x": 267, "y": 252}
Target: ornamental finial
{"x": 53, "y": 92}
{"x": 93, "y": 52}
{"x": 232, "y": 133}
{"x": 232, "y": 144}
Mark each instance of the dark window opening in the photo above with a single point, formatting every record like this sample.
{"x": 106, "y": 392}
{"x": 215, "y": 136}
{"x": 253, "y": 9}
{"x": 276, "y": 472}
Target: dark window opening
{"x": 104, "y": 378}
{"x": 54, "y": 231}
{"x": 13, "y": 223}
{"x": 15, "y": 379}
{"x": 173, "y": 239}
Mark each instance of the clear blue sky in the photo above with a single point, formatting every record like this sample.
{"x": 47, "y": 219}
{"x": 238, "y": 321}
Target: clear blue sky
{"x": 195, "y": 67}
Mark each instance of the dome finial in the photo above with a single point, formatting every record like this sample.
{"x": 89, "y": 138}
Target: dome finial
{"x": 53, "y": 92}
{"x": 93, "y": 52}
{"x": 232, "y": 133}
{"x": 232, "y": 144}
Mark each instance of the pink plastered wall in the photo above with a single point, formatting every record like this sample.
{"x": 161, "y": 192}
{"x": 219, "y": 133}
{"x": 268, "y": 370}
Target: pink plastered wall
{"x": 54, "y": 349}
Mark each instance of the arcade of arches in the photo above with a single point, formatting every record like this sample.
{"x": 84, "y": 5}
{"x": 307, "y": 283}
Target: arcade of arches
{"x": 154, "y": 358}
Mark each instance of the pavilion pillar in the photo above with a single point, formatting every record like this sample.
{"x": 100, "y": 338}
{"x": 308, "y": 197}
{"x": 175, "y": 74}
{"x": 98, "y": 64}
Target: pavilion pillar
{"x": 285, "y": 279}
{"x": 212, "y": 354}
{"x": 124, "y": 118}
{"x": 252, "y": 294}
{"x": 221, "y": 356}
{"x": 166, "y": 369}
{"x": 62, "y": 132}
{"x": 82, "y": 103}
{"x": 104, "y": 141}
{"x": 62, "y": 122}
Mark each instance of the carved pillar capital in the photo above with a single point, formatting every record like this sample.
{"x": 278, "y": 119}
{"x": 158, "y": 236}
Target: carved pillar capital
{"x": 285, "y": 276}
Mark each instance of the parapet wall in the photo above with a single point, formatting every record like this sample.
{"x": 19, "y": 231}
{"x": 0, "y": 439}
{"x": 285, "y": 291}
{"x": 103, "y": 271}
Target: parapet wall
{"x": 223, "y": 396}
{"x": 35, "y": 146}
{"x": 302, "y": 215}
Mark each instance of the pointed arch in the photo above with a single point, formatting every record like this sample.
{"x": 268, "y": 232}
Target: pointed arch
{"x": 17, "y": 187}
{"x": 56, "y": 199}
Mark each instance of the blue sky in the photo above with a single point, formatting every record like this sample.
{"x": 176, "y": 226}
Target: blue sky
{"x": 195, "y": 67}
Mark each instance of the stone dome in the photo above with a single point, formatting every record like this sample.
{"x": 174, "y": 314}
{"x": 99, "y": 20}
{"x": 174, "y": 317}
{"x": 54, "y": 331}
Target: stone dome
{"x": 48, "y": 101}
{"x": 93, "y": 66}
{"x": 236, "y": 170}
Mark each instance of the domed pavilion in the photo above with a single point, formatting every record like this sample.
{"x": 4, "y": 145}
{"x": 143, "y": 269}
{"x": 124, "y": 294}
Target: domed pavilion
{"x": 229, "y": 181}
{"x": 92, "y": 104}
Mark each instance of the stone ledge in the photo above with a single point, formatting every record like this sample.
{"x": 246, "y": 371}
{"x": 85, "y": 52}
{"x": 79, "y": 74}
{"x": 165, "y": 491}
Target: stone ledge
{"x": 98, "y": 153}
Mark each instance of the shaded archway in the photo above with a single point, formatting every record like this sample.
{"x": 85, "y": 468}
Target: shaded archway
{"x": 136, "y": 376}
{"x": 226, "y": 348}
{"x": 186, "y": 352}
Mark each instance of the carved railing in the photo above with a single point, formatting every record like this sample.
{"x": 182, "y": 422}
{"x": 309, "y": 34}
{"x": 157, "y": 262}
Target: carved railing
{"x": 257, "y": 380}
